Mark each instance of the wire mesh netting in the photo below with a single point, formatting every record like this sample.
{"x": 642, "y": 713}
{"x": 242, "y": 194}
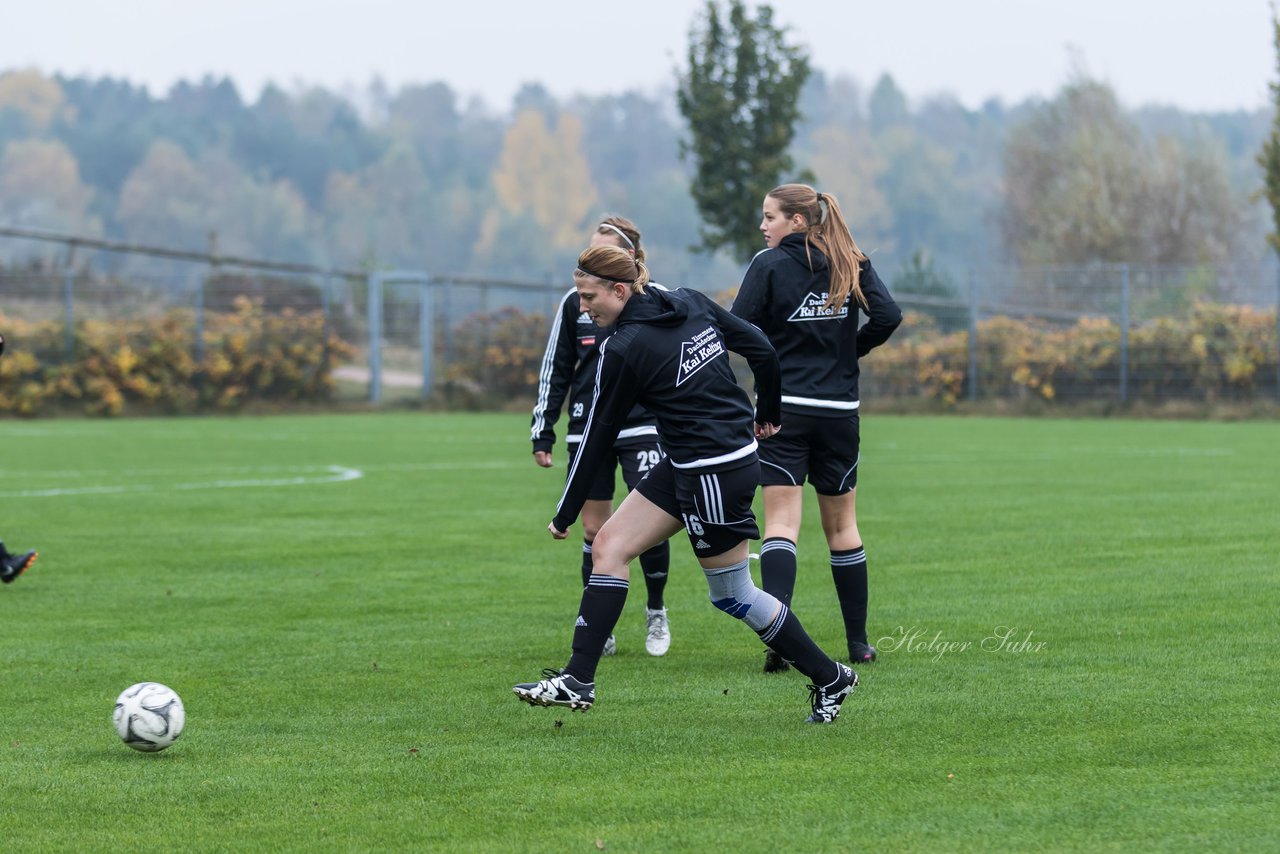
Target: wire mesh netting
{"x": 1112, "y": 333}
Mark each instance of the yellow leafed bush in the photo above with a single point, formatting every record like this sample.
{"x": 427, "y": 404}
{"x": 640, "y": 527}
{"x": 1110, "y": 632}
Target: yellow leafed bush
{"x": 149, "y": 364}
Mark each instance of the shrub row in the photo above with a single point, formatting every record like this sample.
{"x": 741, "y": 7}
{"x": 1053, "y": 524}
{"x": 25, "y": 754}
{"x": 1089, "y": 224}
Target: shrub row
{"x": 1215, "y": 353}
{"x": 149, "y": 364}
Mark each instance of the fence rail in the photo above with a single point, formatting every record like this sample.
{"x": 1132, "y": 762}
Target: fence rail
{"x": 1115, "y": 332}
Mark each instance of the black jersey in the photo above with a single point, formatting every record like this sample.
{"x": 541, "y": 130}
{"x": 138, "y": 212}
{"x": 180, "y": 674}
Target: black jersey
{"x": 670, "y": 353}
{"x": 569, "y": 369}
{"x": 783, "y": 292}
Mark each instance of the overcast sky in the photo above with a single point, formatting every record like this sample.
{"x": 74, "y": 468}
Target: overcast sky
{"x": 1193, "y": 54}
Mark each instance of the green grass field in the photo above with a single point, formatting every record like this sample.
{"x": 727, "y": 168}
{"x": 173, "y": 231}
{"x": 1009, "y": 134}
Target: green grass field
{"x": 344, "y": 602}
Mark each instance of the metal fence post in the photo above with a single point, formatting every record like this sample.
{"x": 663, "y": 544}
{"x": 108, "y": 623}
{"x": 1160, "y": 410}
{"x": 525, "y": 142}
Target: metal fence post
{"x": 1124, "y": 333}
{"x": 426, "y": 333}
{"x": 200, "y": 281}
{"x": 485, "y": 326}
{"x": 448, "y": 323}
{"x": 973, "y": 336}
{"x": 1278, "y": 333}
{"x": 375, "y": 338}
{"x": 326, "y": 299}
{"x": 326, "y": 329}
{"x": 69, "y": 301}
{"x": 214, "y": 272}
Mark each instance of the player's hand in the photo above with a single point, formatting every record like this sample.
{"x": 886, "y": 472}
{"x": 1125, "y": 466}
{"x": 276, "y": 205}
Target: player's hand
{"x": 542, "y": 458}
{"x": 559, "y": 535}
{"x": 764, "y": 431}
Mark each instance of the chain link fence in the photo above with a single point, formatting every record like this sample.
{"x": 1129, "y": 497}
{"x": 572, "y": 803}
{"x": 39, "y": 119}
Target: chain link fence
{"x": 1103, "y": 334}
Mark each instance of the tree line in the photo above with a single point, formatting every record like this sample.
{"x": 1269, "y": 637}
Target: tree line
{"x": 418, "y": 177}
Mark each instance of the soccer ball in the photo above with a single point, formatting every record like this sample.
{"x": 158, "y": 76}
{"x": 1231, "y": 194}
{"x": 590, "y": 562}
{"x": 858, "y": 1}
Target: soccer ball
{"x": 149, "y": 716}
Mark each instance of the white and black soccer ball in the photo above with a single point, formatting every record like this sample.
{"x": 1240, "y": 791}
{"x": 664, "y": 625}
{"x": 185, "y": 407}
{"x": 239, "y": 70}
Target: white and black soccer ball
{"x": 149, "y": 716}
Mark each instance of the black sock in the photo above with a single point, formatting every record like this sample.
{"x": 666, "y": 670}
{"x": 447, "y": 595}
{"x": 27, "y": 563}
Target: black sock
{"x": 849, "y": 572}
{"x": 602, "y": 601}
{"x": 655, "y": 564}
{"x": 778, "y": 568}
{"x": 788, "y": 638}
{"x": 586, "y": 562}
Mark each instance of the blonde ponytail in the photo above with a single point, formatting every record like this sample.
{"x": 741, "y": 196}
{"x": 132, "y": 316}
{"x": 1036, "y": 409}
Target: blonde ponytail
{"x": 826, "y": 229}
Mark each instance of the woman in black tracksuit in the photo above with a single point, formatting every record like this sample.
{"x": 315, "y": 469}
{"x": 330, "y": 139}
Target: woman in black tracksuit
{"x": 669, "y": 352}
{"x": 805, "y": 291}
{"x": 569, "y": 370}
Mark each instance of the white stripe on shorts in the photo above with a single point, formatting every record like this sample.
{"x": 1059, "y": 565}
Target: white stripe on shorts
{"x": 712, "y": 500}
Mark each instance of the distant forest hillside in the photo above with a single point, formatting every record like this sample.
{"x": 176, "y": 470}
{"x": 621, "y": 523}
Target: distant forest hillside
{"x": 416, "y": 178}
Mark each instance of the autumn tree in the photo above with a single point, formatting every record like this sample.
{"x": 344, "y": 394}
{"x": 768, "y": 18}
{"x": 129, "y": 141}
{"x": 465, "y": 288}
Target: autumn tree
{"x": 542, "y": 175}
{"x": 38, "y": 99}
{"x": 427, "y": 115}
{"x": 262, "y": 217}
{"x": 166, "y": 199}
{"x": 1071, "y": 180}
{"x": 108, "y": 125}
{"x": 1191, "y": 214}
{"x": 382, "y": 214}
{"x": 1082, "y": 185}
{"x": 40, "y": 186}
{"x": 301, "y": 138}
{"x": 920, "y": 185}
{"x": 172, "y": 199}
{"x": 739, "y": 96}
{"x": 851, "y": 168}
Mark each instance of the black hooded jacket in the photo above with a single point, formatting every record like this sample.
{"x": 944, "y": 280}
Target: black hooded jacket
{"x": 670, "y": 353}
{"x": 782, "y": 293}
{"x": 568, "y": 369}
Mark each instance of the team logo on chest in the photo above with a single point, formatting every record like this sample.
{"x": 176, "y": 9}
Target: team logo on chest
{"x": 698, "y": 353}
{"x": 810, "y": 308}
{"x": 586, "y": 338}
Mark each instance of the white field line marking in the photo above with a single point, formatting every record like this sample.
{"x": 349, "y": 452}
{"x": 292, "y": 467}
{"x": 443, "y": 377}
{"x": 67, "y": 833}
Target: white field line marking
{"x": 66, "y": 431}
{"x": 333, "y": 474}
{"x": 457, "y": 466}
{"x": 1055, "y": 453}
{"x": 80, "y": 474}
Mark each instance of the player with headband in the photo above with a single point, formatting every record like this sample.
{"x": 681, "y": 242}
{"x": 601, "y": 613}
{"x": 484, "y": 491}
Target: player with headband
{"x": 567, "y": 372}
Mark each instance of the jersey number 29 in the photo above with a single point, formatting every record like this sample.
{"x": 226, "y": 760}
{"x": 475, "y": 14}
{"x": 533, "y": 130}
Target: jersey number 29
{"x": 647, "y": 459}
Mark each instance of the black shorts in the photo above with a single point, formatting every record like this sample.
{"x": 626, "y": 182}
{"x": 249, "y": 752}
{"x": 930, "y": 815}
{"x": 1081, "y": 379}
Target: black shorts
{"x": 636, "y": 456}
{"x": 714, "y": 506}
{"x": 825, "y": 450}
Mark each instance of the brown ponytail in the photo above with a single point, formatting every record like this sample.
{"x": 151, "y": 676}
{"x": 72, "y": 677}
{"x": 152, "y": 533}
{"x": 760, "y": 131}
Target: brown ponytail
{"x": 825, "y": 228}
